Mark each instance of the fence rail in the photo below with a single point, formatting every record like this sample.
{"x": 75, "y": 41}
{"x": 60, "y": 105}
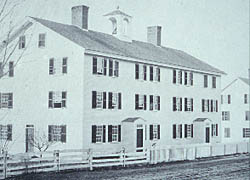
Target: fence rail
{"x": 58, "y": 160}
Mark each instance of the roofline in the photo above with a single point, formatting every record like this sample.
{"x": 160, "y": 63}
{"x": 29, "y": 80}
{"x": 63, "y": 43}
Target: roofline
{"x": 130, "y": 59}
{"x": 229, "y": 85}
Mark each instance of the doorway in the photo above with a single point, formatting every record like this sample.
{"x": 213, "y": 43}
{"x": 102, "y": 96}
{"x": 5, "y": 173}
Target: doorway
{"x": 29, "y": 140}
{"x": 139, "y": 139}
{"x": 207, "y": 135}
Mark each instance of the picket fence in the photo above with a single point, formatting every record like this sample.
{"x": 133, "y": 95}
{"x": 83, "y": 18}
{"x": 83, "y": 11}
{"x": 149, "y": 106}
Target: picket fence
{"x": 59, "y": 160}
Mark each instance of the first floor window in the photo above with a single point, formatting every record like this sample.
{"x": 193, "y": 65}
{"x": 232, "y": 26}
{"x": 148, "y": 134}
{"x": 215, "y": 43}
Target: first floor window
{"x": 214, "y": 129}
{"x": 154, "y": 102}
{"x": 225, "y": 115}
{"x": 188, "y": 130}
{"x": 227, "y": 132}
{"x": 6, "y": 132}
{"x": 140, "y": 102}
{"x": 6, "y": 100}
{"x": 154, "y": 131}
{"x": 246, "y": 132}
{"x": 57, "y": 99}
{"x": 177, "y": 131}
{"x": 57, "y": 133}
{"x": 98, "y": 133}
{"x": 114, "y": 133}
{"x": 247, "y": 115}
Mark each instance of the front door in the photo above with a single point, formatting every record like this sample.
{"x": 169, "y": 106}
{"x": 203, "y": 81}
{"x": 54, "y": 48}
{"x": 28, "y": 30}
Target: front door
{"x": 139, "y": 142}
{"x": 207, "y": 135}
{"x": 29, "y": 143}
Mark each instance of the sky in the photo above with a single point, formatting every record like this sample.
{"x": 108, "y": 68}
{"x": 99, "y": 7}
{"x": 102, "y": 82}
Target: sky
{"x": 215, "y": 31}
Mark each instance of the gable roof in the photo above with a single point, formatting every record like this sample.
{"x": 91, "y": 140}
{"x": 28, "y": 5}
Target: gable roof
{"x": 245, "y": 80}
{"x": 105, "y": 43}
{"x": 117, "y": 12}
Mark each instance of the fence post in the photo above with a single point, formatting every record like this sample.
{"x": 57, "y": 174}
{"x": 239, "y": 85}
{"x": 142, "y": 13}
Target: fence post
{"x": 122, "y": 156}
{"x": 211, "y": 150}
{"x": 195, "y": 152}
{"x": 237, "y": 149}
{"x": 224, "y": 149}
{"x": 148, "y": 155}
{"x": 56, "y": 160}
{"x": 90, "y": 158}
{"x": 5, "y": 164}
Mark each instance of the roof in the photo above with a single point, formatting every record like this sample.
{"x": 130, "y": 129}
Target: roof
{"x": 245, "y": 80}
{"x": 105, "y": 43}
{"x": 117, "y": 12}
{"x": 131, "y": 119}
{"x": 200, "y": 119}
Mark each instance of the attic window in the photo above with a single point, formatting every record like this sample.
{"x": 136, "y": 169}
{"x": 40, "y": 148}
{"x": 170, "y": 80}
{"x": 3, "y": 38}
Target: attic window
{"x": 41, "y": 41}
{"x": 21, "y": 43}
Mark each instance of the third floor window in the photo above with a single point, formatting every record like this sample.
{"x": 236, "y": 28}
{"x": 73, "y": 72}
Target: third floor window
{"x": 58, "y": 66}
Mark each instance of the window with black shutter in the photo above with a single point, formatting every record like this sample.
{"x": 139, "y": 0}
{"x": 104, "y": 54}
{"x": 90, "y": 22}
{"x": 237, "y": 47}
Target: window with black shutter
{"x": 205, "y": 81}
{"x": 109, "y": 133}
{"x": 151, "y": 69}
{"x": 192, "y": 104}
{"x": 93, "y": 134}
{"x": 110, "y": 100}
{"x": 174, "y": 104}
{"x": 159, "y": 102}
{"x": 216, "y": 105}
{"x": 208, "y": 109}
{"x": 216, "y": 126}
{"x": 159, "y": 132}
{"x": 9, "y": 132}
{"x": 104, "y": 100}
{"x": 63, "y": 133}
{"x": 211, "y": 106}
{"x": 174, "y": 131}
{"x": 119, "y": 101}
{"x": 151, "y": 102}
{"x": 191, "y": 79}
{"x": 136, "y": 71}
{"x": 203, "y": 105}
{"x": 180, "y": 104}
{"x": 110, "y": 67}
{"x": 151, "y": 132}
{"x": 104, "y": 134}
{"x": 145, "y": 72}
{"x": 180, "y": 128}
{"x": 185, "y": 104}
{"x": 51, "y": 66}
{"x": 137, "y": 101}
{"x": 158, "y": 70}
{"x": 119, "y": 133}
{"x": 11, "y": 69}
{"x": 185, "y": 131}
{"x": 64, "y": 65}
{"x": 93, "y": 99}
{"x": 145, "y": 102}
{"x": 185, "y": 78}
{"x": 174, "y": 76}
{"x": 192, "y": 130}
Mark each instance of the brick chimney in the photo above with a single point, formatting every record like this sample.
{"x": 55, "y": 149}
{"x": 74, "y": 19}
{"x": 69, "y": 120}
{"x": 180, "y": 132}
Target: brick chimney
{"x": 154, "y": 35}
{"x": 80, "y": 16}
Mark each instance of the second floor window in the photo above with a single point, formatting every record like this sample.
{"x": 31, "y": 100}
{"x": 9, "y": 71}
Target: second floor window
{"x": 6, "y": 100}
{"x": 247, "y": 116}
{"x": 6, "y": 132}
{"x": 57, "y": 133}
{"x": 58, "y": 66}
{"x": 99, "y": 100}
{"x": 246, "y": 132}
{"x": 245, "y": 98}
{"x": 140, "y": 102}
{"x": 100, "y": 66}
{"x": 213, "y": 82}
{"x": 21, "y": 43}
{"x": 154, "y": 102}
{"x": 188, "y": 78}
{"x": 205, "y": 81}
{"x": 113, "y": 68}
{"x": 189, "y": 106}
{"x": 41, "y": 40}
{"x": 57, "y": 99}
{"x": 225, "y": 115}
{"x": 229, "y": 99}
{"x": 209, "y": 105}
{"x": 177, "y": 104}
{"x": 141, "y": 72}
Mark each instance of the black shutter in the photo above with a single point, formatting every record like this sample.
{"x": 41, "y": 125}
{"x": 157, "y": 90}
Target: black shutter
{"x": 64, "y": 65}
{"x": 51, "y": 66}
{"x": 185, "y": 104}
{"x": 49, "y": 133}
{"x": 136, "y": 101}
{"x": 180, "y": 104}
{"x": 145, "y": 102}
{"x": 174, "y": 76}
{"x": 119, "y": 133}
{"x": 191, "y": 79}
{"x": 211, "y": 106}
{"x": 192, "y": 104}
{"x": 151, "y": 99}
{"x": 203, "y": 105}
{"x": 93, "y": 134}
{"x": 208, "y": 107}
{"x": 151, "y": 73}
{"x": 105, "y": 67}
{"x": 64, "y": 96}
{"x": 151, "y": 132}
{"x": 110, "y": 67}
{"x": 216, "y": 105}
{"x": 50, "y": 103}
{"x": 94, "y": 65}
{"x": 145, "y": 72}
{"x": 159, "y": 74}
{"x": 136, "y": 71}
{"x": 180, "y": 130}
{"x": 119, "y": 100}
{"x": 109, "y": 133}
{"x": 63, "y": 133}
{"x": 93, "y": 99}
{"x": 110, "y": 100}
{"x": 9, "y": 132}
{"x": 11, "y": 69}
{"x": 0, "y": 99}
{"x": 104, "y": 134}
{"x": 216, "y": 129}
{"x": 10, "y": 101}
{"x": 174, "y": 104}
{"x": 159, "y": 102}
{"x": 174, "y": 131}
{"x": 212, "y": 127}
{"x": 192, "y": 130}
{"x": 159, "y": 132}
{"x": 180, "y": 77}
{"x": 185, "y": 130}
{"x": 104, "y": 100}
{"x": 185, "y": 78}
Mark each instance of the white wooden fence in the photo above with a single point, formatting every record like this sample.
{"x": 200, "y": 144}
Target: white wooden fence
{"x": 12, "y": 165}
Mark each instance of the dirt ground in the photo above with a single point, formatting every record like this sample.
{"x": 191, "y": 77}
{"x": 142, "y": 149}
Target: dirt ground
{"x": 228, "y": 167}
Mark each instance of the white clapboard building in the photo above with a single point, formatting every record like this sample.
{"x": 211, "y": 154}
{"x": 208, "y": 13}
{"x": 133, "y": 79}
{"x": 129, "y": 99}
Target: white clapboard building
{"x": 86, "y": 89}
{"x": 235, "y": 111}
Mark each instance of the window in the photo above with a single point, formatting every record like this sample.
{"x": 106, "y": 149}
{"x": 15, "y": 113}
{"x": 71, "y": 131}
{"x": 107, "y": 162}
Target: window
{"x": 154, "y": 131}
{"x": 174, "y": 76}
{"x": 247, "y": 115}
{"x": 227, "y": 132}
{"x": 140, "y": 102}
{"x": 177, "y": 104}
{"x": 205, "y": 81}
{"x": 221, "y": 100}
{"x": 98, "y": 134}
{"x": 177, "y": 131}
{"x": 6, "y": 132}
{"x": 11, "y": 69}
{"x": 188, "y": 131}
{"x": 115, "y": 100}
{"x": 225, "y": 115}
{"x": 57, "y": 66}
{"x": 245, "y": 98}
{"x": 179, "y": 77}
{"x": 188, "y": 104}
{"x": 209, "y": 105}
{"x": 41, "y": 41}
{"x": 246, "y": 132}
{"x": 100, "y": 66}
{"x": 98, "y": 100}
{"x": 214, "y": 129}
{"x": 21, "y": 43}
{"x": 57, "y": 99}
{"x": 6, "y": 100}
{"x": 154, "y": 102}
{"x": 114, "y": 133}
{"x": 213, "y": 82}
{"x": 157, "y": 74}
{"x": 57, "y": 133}
{"x": 229, "y": 99}
{"x": 191, "y": 79}
{"x": 151, "y": 71}
{"x": 141, "y": 72}
{"x": 116, "y": 69}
